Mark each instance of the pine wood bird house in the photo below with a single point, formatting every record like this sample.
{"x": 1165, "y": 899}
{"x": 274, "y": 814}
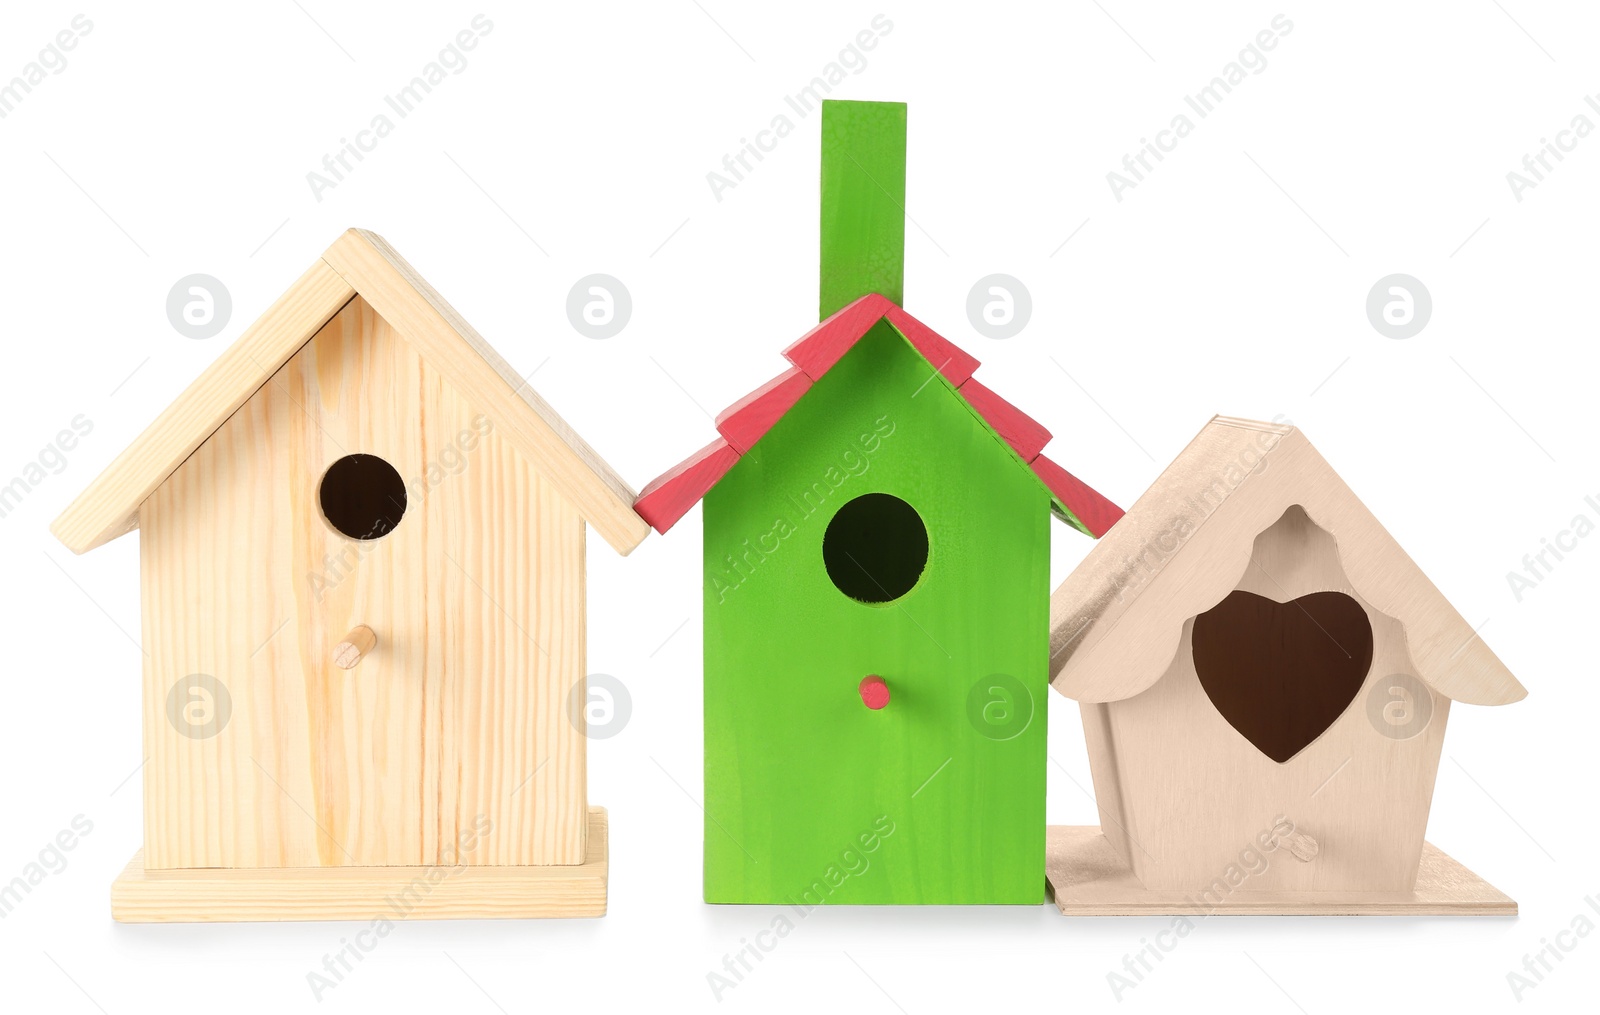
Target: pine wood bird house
{"x": 1264, "y": 677}
{"x": 362, "y": 574}
{"x": 876, "y": 530}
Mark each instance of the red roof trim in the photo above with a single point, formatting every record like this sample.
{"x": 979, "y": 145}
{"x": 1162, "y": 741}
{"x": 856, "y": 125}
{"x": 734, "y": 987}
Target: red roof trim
{"x": 746, "y": 421}
{"x": 820, "y": 348}
{"x": 1026, "y": 435}
{"x": 671, "y": 496}
{"x": 944, "y": 354}
{"x": 1096, "y": 513}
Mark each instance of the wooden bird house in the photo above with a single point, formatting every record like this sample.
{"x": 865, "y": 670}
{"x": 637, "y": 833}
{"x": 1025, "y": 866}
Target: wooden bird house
{"x": 876, "y": 551}
{"x": 1264, "y": 678}
{"x": 362, "y": 575}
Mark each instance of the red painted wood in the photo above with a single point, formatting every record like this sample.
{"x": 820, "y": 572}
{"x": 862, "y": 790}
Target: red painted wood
{"x": 1091, "y": 508}
{"x": 670, "y": 496}
{"x": 952, "y": 361}
{"x": 820, "y": 348}
{"x": 742, "y": 424}
{"x": 747, "y": 420}
{"x": 1020, "y": 430}
{"x": 874, "y": 691}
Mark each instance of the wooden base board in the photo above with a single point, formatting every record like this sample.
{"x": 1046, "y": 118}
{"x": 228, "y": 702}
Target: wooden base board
{"x": 1089, "y": 878}
{"x": 227, "y": 895}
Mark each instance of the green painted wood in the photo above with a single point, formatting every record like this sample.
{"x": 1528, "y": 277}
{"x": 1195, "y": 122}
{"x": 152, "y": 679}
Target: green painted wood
{"x": 810, "y": 796}
{"x": 863, "y": 202}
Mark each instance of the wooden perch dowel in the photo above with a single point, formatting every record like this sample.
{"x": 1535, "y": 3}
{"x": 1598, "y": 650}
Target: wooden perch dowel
{"x": 1301, "y": 846}
{"x": 874, "y": 691}
{"x": 354, "y": 648}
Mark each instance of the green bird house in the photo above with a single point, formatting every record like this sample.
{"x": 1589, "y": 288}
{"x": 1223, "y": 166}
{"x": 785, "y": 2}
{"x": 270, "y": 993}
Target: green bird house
{"x": 877, "y": 537}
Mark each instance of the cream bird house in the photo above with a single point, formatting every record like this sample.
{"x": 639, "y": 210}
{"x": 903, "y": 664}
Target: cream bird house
{"x": 1264, "y": 677}
{"x": 362, "y": 575}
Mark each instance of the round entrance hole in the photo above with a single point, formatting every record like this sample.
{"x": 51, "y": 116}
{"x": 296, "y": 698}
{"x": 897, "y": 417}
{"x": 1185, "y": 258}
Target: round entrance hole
{"x": 362, "y": 496}
{"x": 875, "y": 548}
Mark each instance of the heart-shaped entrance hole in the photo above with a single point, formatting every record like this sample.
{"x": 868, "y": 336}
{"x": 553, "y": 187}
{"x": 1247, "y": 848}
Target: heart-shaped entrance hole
{"x": 1281, "y": 673}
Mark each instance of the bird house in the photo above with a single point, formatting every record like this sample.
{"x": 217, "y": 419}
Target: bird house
{"x": 876, "y": 551}
{"x": 362, "y": 585}
{"x": 1264, "y": 677}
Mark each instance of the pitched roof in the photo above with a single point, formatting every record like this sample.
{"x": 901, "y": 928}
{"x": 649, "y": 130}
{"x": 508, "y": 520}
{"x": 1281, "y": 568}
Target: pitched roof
{"x": 1116, "y": 621}
{"x": 359, "y": 262}
{"x": 743, "y": 423}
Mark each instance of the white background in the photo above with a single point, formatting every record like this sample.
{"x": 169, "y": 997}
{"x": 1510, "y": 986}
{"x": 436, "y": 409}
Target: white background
{"x": 1233, "y": 280}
